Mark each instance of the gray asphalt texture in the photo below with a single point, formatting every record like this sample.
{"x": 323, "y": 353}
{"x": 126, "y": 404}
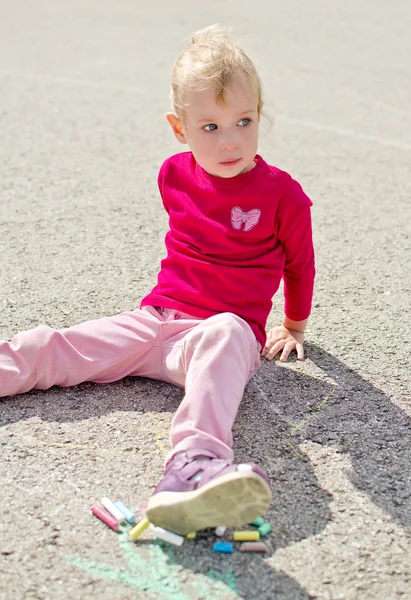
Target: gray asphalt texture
{"x": 83, "y": 94}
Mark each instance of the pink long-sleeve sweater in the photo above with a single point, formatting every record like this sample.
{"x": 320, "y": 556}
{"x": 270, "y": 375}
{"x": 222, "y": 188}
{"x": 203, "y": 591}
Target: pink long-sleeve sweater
{"x": 230, "y": 242}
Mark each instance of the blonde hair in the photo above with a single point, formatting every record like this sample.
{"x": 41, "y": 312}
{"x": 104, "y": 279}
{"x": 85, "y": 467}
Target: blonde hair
{"x": 211, "y": 59}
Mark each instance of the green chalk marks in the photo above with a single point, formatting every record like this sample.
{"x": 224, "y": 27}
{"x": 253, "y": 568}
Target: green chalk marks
{"x": 104, "y": 571}
{"x": 228, "y": 578}
{"x": 155, "y": 569}
{"x": 158, "y": 574}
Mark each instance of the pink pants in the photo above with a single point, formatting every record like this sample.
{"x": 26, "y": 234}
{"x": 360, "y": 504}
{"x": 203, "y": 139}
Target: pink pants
{"x": 212, "y": 359}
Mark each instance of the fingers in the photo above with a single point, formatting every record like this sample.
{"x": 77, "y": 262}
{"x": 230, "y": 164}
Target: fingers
{"x": 285, "y": 347}
{"x": 270, "y": 351}
{"x": 286, "y": 352}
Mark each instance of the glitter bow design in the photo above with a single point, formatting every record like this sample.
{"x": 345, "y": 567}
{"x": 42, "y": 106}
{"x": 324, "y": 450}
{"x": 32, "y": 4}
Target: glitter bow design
{"x": 249, "y": 218}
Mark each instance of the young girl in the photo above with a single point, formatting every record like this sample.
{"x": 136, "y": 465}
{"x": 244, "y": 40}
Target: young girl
{"x": 236, "y": 227}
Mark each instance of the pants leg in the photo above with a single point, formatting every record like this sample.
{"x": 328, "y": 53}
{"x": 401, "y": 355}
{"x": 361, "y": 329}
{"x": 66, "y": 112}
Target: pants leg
{"x": 101, "y": 350}
{"x": 214, "y": 361}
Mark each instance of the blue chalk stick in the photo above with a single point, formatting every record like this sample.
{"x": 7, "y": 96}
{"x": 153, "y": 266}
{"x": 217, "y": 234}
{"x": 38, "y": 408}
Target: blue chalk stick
{"x": 225, "y": 547}
{"x": 130, "y": 516}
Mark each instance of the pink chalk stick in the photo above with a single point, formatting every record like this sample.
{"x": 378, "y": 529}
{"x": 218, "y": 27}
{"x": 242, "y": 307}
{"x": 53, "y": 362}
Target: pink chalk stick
{"x": 104, "y": 515}
{"x": 253, "y": 547}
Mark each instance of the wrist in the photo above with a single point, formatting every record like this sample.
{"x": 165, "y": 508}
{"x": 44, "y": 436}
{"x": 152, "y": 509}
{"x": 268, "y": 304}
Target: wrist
{"x": 295, "y": 325}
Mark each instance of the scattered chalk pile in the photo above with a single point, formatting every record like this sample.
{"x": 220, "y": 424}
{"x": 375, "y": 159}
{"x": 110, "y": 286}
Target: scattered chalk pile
{"x": 113, "y": 514}
{"x": 251, "y": 539}
{"x": 116, "y": 515}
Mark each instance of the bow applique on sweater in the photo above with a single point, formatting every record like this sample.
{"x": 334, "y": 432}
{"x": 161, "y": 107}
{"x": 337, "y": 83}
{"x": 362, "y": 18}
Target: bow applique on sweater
{"x": 249, "y": 218}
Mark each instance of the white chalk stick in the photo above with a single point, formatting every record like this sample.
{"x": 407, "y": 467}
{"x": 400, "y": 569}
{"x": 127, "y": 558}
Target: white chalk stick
{"x": 168, "y": 536}
{"x": 113, "y": 510}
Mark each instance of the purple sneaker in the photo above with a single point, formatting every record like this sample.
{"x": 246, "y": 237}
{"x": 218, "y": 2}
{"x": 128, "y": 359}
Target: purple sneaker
{"x": 199, "y": 490}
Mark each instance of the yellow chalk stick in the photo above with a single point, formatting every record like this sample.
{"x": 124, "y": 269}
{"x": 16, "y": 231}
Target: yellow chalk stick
{"x": 134, "y": 533}
{"x": 191, "y": 536}
{"x": 246, "y": 536}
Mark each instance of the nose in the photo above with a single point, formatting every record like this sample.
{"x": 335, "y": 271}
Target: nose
{"x": 229, "y": 144}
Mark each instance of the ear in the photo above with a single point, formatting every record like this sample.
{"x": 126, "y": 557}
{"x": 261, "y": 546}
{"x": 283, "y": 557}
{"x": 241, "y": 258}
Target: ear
{"x": 177, "y": 127}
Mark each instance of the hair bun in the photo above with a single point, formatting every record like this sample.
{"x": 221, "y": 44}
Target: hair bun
{"x": 212, "y": 33}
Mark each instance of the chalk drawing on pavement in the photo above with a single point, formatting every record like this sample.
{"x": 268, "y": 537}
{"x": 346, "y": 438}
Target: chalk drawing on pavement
{"x": 159, "y": 575}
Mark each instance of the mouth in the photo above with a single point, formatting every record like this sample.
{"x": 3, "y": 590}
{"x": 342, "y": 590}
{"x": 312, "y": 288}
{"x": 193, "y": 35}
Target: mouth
{"x": 230, "y": 163}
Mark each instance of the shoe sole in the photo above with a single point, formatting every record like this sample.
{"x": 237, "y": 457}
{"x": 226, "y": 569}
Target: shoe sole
{"x": 231, "y": 500}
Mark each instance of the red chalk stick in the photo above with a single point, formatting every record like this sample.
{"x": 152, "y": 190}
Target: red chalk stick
{"x": 104, "y": 515}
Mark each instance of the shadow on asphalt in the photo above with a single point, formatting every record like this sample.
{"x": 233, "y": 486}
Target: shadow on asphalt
{"x": 281, "y": 409}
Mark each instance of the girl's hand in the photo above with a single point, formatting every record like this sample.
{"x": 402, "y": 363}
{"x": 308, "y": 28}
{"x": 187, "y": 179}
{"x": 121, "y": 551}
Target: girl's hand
{"x": 285, "y": 339}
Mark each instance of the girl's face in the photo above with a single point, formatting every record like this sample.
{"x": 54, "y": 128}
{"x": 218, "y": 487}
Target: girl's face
{"x": 222, "y": 137}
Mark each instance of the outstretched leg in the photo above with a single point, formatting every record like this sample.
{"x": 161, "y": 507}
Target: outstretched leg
{"x": 101, "y": 350}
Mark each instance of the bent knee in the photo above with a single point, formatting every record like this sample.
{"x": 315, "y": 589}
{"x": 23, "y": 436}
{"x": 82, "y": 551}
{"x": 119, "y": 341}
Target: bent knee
{"x": 229, "y": 326}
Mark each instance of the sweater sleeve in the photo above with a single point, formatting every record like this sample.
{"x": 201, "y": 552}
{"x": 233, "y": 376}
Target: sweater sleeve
{"x": 295, "y": 233}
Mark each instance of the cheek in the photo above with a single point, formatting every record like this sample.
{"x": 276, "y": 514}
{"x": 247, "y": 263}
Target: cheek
{"x": 201, "y": 143}
{"x": 252, "y": 137}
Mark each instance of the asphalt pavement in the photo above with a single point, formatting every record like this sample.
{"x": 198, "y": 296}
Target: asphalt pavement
{"x": 84, "y": 88}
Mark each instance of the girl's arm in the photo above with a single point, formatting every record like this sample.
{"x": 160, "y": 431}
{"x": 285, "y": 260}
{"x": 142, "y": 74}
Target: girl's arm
{"x": 295, "y": 233}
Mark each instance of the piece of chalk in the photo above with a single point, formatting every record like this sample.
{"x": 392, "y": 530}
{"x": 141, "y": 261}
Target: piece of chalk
{"x": 253, "y": 547}
{"x": 225, "y": 547}
{"x": 257, "y": 522}
{"x": 264, "y": 529}
{"x": 129, "y": 515}
{"x": 134, "y": 533}
{"x": 168, "y": 536}
{"x": 246, "y": 536}
{"x": 191, "y": 535}
{"x": 220, "y": 531}
{"x": 105, "y": 516}
{"x": 113, "y": 510}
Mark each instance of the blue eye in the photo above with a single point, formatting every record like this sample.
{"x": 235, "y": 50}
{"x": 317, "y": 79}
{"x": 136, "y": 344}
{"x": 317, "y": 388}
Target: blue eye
{"x": 244, "y": 122}
{"x": 210, "y": 127}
